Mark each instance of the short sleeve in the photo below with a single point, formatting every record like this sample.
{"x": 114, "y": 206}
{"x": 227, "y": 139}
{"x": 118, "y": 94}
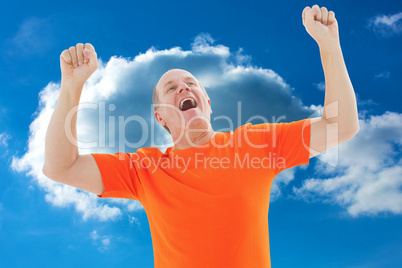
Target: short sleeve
{"x": 119, "y": 175}
{"x": 292, "y": 144}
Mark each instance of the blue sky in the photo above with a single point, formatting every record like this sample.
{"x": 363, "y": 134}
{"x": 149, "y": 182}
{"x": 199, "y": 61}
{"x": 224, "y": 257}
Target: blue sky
{"x": 342, "y": 210}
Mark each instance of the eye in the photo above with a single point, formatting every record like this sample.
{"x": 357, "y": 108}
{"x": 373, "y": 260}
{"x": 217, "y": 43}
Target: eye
{"x": 190, "y": 83}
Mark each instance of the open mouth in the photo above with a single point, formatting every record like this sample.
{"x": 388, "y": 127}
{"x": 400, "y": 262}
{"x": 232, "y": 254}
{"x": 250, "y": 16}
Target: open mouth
{"x": 187, "y": 103}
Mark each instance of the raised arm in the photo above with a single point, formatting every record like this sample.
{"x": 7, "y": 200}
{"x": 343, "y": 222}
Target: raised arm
{"x": 339, "y": 121}
{"x": 62, "y": 160}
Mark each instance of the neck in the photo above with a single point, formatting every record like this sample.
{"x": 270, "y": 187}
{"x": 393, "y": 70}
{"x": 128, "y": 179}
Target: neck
{"x": 193, "y": 138}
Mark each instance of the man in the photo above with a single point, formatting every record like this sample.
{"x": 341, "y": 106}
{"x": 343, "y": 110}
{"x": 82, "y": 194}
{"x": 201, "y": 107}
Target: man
{"x": 207, "y": 197}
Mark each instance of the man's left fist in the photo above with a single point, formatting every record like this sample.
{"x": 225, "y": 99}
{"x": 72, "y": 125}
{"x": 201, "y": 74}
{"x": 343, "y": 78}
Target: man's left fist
{"x": 321, "y": 25}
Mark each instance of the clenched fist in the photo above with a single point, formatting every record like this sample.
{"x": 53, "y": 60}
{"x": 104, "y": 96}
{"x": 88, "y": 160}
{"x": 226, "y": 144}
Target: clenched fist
{"x": 321, "y": 25}
{"x": 78, "y": 63}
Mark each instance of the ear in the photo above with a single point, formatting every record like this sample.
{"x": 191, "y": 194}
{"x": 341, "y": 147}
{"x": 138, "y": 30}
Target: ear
{"x": 209, "y": 102}
{"x": 159, "y": 118}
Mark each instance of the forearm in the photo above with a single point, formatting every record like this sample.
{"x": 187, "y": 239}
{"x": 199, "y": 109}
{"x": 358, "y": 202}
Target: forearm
{"x": 61, "y": 150}
{"x": 340, "y": 100}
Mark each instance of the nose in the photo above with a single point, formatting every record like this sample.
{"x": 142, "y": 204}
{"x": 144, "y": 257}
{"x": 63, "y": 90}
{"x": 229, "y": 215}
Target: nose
{"x": 183, "y": 86}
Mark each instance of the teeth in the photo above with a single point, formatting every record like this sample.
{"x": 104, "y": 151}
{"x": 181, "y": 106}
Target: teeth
{"x": 181, "y": 103}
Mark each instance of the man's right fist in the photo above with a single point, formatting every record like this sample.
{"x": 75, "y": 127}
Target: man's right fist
{"x": 78, "y": 63}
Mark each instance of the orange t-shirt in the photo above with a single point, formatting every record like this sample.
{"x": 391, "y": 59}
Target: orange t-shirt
{"x": 207, "y": 206}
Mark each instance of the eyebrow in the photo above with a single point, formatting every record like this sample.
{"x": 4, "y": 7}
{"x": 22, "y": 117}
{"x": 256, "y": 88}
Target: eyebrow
{"x": 170, "y": 82}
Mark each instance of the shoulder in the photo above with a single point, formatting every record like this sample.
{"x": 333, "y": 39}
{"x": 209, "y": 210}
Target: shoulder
{"x": 255, "y": 129}
{"x": 150, "y": 152}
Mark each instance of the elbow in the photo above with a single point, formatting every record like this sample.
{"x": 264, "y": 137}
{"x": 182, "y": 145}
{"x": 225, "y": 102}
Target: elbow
{"x": 48, "y": 172}
{"x": 44, "y": 170}
{"x": 350, "y": 132}
{"x": 355, "y": 129}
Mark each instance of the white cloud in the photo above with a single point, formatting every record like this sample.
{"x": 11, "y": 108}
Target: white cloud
{"x": 384, "y": 74}
{"x": 129, "y": 204}
{"x": 4, "y": 137}
{"x": 320, "y": 86}
{"x": 34, "y": 36}
{"x": 280, "y": 181}
{"x": 202, "y": 44}
{"x": 94, "y": 235}
{"x": 386, "y": 25}
{"x": 102, "y": 242}
{"x": 368, "y": 177}
{"x": 132, "y": 220}
{"x": 242, "y": 59}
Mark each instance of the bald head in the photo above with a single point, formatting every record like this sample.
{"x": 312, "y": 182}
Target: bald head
{"x": 155, "y": 95}
{"x": 170, "y": 80}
